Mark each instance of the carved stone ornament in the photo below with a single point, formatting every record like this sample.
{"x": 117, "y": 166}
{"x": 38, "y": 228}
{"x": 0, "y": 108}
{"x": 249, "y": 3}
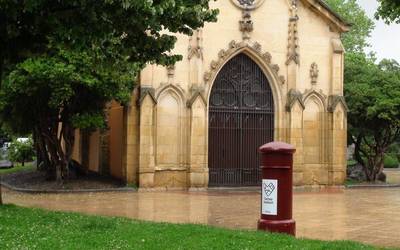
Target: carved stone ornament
{"x": 196, "y": 92}
{"x": 248, "y": 4}
{"x": 319, "y": 94}
{"x": 314, "y": 72}
{"x": 234, "y": 47}
{"x": 195, "y": 48}
{"x": 293, "y": 38}
{"x": 171, "y": 71}
{"x": 293, "y": 97}
{"x": 144, "y": 91}
{"x": 246, "y": 25}
{"x": 334, "y": 100}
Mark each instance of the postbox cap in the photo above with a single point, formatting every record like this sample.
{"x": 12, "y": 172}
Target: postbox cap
{"x": 277, "y": 147}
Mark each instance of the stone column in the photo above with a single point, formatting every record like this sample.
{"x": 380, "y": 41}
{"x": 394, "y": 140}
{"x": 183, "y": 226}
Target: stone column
{"x": 337, "y": 118}
{"x": 293, "y": 55}
{"x": 336, "y": 87}
{"x": 131, "y": 150}
{"x": 198, "y": 172}
{"x": 295, "y": 108}
{"x": 337, "y": 140}
{"x": 146, "y": 141}
{"x": 195, "y": 57}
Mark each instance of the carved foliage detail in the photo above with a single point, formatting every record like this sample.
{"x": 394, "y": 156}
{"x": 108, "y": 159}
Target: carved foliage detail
{"x": 233, "y": 48}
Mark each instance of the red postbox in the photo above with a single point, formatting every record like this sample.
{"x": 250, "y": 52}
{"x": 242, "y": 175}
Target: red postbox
{"x": 277, "y": 188}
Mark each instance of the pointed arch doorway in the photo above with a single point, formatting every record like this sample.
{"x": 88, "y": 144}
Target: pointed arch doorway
{"x": 241, "y": 118}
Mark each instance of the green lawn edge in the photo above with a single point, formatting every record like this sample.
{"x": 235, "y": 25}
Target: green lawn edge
{"x": 17, "y": 168}
{"x": 28, "y": 228}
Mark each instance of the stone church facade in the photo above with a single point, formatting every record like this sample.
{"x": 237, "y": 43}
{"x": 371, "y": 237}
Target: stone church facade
{"x": 267, "y": 70}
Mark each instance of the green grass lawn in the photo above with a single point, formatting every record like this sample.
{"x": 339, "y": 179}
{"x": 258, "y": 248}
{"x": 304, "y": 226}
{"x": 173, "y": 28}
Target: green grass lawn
{"x": 25, "y": 228}
{"x": 17, "y": 168}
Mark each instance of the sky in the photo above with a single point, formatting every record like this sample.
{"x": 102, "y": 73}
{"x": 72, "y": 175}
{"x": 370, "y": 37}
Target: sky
{"x": 385, "y": 39}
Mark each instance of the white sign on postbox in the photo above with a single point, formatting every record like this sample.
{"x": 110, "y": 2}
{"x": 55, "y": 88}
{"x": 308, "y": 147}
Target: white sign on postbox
{"x": 269, "y": 202}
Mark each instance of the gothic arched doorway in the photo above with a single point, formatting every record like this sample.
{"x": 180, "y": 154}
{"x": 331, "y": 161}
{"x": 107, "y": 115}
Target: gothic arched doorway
{"x": 241, "y": 118}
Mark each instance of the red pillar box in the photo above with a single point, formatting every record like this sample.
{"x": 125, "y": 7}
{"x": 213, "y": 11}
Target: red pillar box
{"x": 277, "y": 188}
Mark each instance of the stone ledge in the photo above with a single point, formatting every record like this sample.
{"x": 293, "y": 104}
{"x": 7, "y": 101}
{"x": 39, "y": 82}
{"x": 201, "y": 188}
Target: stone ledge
{"x": 161, "y": 189}
{"x": 64, "y": 191}
{"x": 360, "y": 186}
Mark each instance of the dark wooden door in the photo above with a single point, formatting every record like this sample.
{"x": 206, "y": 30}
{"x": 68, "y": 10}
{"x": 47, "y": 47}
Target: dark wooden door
{"x": 241, "y": 119}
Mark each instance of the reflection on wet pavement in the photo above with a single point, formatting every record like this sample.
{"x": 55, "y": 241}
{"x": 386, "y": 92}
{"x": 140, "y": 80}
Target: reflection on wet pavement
{"x": 367, "y": 215}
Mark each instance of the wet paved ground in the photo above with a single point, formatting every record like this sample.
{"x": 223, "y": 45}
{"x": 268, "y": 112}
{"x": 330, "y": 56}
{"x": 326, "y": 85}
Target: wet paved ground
{"x": 393, "y": 176}
{"x": 367, "y": 215}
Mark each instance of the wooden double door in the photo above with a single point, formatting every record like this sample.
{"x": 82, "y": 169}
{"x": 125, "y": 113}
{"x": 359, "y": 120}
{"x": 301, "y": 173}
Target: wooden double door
{"x": 241, "y": 119}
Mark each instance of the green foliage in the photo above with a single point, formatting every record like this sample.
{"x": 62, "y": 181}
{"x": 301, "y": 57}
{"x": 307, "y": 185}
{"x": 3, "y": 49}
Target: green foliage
{"x": 394, "y": 150}
{"x": 389, "y": 11}
{"x": 373, "y": 92}
{"x": 391, "y": 161}
{"x": 351, "y": 162}
{"x": 62, "y": 61}
{"x": 40, "y": 229}
{"x": 356, "y": 39}
{"x": 373, "y": 95}
{"x": 21, "y": 151}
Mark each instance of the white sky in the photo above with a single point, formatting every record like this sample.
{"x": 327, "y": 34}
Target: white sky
{"x": 385, "y": 39}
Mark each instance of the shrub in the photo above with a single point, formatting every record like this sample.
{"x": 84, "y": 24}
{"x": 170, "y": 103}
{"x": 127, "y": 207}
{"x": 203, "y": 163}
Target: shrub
{"x": 394, "y": 150}
{"x": 351, "y": 162}
{"x": 391, "y": 161}
{"x": 21, "y": 151}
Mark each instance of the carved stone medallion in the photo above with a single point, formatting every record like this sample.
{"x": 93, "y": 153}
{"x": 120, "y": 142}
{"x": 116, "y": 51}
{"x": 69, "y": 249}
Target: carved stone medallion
{"x": 248, "y": 4}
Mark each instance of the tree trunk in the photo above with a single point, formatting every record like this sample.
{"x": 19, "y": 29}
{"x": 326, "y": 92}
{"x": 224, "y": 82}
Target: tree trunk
{"x": 360, "y": 160}
{"x": 68, "y": 137}
{"x": 43, "y": 160}
{"x": 51, "y": 147}
{"x": 59, "y": 146}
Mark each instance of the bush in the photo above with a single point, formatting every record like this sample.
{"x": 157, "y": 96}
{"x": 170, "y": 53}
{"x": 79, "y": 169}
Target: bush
{"x": 21, "y": 151}
{"x": 351, "y": 162}
{"x": 391, "y": 161}
{"x": 394, "y": 150}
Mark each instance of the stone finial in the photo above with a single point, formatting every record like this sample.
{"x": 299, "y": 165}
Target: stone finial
{"x": 293, "y": 38}
{"x": 195, "y": 47}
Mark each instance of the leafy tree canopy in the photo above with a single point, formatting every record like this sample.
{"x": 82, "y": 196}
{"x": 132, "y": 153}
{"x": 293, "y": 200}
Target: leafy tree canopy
{"x": 373, "y": 95}
{"x": 62, "y": 61}
{"x": 21, "y": 151}
{"x": 356, "y": 39}
{"x": 389, "y": 11}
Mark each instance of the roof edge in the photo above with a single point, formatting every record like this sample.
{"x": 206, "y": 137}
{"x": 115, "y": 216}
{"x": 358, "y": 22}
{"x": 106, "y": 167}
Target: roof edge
{"x": 329, "y": 14}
